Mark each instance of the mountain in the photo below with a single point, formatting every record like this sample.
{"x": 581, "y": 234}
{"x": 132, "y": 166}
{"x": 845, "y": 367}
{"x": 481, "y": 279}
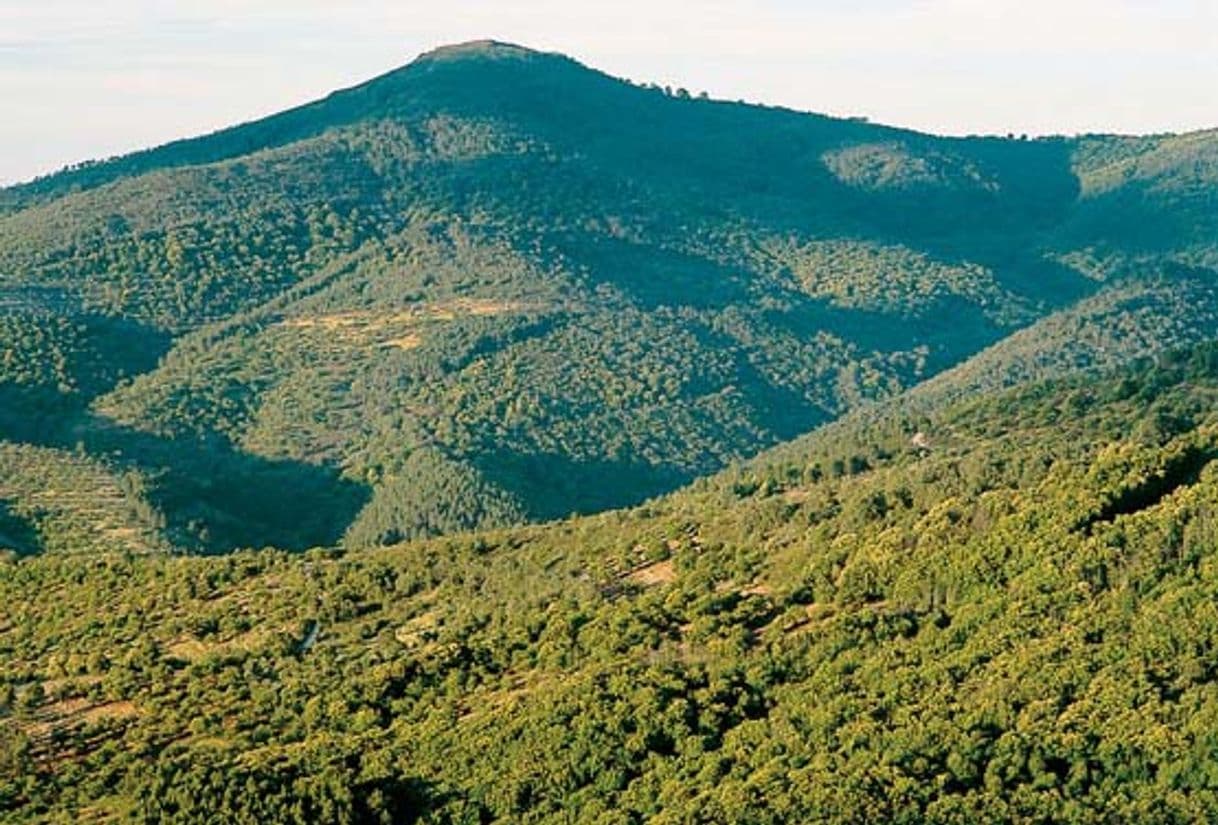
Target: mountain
{"x": 496, "y": 286}
{"x": 1009, "y": 618}
{"x": 877, "y": 468}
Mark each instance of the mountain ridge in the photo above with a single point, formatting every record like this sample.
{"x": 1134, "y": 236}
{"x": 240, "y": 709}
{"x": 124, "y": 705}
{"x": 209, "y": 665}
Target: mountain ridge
{"x": 482, "y": 48}
{"x": 295, "y": 123}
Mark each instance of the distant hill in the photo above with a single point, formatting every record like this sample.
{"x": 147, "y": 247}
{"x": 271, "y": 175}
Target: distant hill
{"x": 497, "y": 286}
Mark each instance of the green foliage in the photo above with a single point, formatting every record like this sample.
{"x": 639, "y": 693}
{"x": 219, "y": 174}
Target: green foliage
{"x": 1129, "y": 187}
{"x": 66, "y": 502}
{"x": 429, "y": 494}
{"x": 1011, "y": 619}
{"x": 1126, "y": 320}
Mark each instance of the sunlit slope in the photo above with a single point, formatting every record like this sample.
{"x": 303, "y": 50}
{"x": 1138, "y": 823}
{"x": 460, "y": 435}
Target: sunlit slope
{"x": 1010, "y": 619}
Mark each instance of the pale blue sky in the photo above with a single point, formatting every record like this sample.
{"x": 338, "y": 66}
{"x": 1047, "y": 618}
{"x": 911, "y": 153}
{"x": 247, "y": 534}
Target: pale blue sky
{"x": 89, "y": 78}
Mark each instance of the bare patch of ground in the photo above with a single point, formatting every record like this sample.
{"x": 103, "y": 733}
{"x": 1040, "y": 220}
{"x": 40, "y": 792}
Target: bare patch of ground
{"x": 192, "y": 650}
{"x": 400, "y": 329}
{"x": 660, "y": 572}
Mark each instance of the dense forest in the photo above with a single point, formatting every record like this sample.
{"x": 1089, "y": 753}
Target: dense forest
{"x": 1000, "y": 611}
{"x": 495, "y": 286}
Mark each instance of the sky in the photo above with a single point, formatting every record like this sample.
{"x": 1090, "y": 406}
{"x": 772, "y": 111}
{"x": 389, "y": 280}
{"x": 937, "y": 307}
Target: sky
{"x": 86, "y": 79}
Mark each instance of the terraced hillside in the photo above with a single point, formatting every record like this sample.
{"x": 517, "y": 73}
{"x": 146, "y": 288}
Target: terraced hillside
{"x": 63, "y": 502}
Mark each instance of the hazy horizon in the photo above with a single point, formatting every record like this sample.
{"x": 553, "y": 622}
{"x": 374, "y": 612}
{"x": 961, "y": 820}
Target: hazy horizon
{"x": 86, "y": 83}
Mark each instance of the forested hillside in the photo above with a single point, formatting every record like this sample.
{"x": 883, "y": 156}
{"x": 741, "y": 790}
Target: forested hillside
{"x": 1002, "y": 611}
{"x": 496, "y": 286}
{"x": 1124, "y": 320}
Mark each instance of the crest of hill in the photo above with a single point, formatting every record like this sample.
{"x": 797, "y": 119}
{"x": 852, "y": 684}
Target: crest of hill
{"x": 483, "y": 49}
{"x": 343, "y": 107}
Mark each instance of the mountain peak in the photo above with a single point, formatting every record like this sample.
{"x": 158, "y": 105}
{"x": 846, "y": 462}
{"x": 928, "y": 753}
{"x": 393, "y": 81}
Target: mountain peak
{"x": 493, "y": 49}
